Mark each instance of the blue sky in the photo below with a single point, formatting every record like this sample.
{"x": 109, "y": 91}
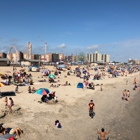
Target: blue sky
{"x": 72, "y": 26}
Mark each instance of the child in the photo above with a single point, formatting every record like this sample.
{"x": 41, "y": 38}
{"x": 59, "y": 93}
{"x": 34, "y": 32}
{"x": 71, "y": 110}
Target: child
{"x": 101, "y": 87}
{"x": 6, "y": 102}
{"x": 16, "y": 89}
{"x": 29, "y": 90}
{"x": 86, "y": 83}
{"x": 57, "y": 123}
{"x": 11, "y": 104}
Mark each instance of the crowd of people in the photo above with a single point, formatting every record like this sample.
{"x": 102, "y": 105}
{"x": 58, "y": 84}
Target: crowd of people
{"x": 22, "y": 77}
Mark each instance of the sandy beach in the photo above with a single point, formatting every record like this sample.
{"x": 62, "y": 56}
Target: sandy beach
{"x": 37, "y": 120}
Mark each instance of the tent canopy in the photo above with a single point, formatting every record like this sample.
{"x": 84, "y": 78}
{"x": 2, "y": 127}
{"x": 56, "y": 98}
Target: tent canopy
{"x": 80, "y": 85}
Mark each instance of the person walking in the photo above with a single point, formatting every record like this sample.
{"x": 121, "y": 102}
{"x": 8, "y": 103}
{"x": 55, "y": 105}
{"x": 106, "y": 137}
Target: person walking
{"x": 91, "y": 107}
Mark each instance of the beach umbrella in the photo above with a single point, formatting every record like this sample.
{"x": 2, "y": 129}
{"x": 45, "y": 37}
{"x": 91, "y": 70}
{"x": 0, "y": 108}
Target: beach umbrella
{"x": 51, "y": 76}
{"x": 43, "y": 91}
{"x": 1, "y": 84}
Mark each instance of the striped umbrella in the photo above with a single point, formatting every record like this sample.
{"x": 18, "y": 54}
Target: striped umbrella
{"x": 43, "y": 91}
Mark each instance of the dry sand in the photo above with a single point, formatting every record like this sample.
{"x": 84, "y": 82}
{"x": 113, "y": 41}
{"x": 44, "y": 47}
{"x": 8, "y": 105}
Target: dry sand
{"x": 37, "y": 120}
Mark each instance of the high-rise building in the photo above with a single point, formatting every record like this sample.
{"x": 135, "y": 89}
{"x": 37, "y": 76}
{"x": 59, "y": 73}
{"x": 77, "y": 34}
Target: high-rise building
{"x": 107, "y": 58}
{"x": 97, "y": 57}
{"x": 55, "y": 57}
{"x": 29, "y": 50}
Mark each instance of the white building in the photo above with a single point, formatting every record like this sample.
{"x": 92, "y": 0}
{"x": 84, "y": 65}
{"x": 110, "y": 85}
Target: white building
{"x": 97, "y": 57}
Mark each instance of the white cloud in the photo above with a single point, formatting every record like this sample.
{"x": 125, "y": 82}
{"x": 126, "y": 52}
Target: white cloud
{"x": 63, "y": 45}
{"x": 93, "y": 47}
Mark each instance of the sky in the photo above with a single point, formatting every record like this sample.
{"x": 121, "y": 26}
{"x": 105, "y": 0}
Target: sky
{"x": 72, "y": 26}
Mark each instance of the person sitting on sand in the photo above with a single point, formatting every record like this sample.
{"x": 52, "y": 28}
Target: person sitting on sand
{"x": 52, "y": 85}
{"x": 135, "y": 81}
{"x": 2, "y": 130}
{"x": 14, "y": 131}
{"x": 29, "y": 89}
{"x": 31, "y": 81}
{"x": 33, "y": 90}
{"x": 51, "y": 80}
{"x": 44, "y": 98}
{"x": 66, "y": 84}
{"x": 135, "y": 87}
{"x": 68, "y": 73}
{"x": 91, "y": 86}
{"x": 103, "y": 134}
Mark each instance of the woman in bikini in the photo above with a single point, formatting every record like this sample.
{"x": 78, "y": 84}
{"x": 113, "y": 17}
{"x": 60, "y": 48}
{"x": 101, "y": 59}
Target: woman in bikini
{"x": 6, "y": 102}
{"x": 128, "y": 95}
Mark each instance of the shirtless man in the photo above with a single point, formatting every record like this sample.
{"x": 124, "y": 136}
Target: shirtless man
{"x": 124, "y": 94}
{"x": 103, "y": 134}
{"x": 135, "y": 81}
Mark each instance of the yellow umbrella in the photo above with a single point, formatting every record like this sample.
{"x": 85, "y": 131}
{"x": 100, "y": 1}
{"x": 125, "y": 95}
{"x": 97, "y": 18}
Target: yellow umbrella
{"x": 1, "y": 84}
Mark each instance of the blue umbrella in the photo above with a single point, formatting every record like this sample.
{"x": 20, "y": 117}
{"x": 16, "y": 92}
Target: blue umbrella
{"x": 43, "y": 91}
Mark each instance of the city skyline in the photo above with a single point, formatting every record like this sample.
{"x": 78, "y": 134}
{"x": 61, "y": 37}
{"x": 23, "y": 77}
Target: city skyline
{"x": 110, "y": 27}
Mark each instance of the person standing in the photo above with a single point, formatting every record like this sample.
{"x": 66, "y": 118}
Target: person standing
{"x": 101, "y": 87}
{"x": 128, "y": 95}
{"x": 11, "y": 104}
{"x": 16, "y": 89}
{"x": 91, "y": 107}
{"x": 6, "y": 102}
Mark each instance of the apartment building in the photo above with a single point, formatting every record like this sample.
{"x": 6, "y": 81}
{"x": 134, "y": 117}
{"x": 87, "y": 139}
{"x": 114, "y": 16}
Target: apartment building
{"x": 97, "y": 57}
